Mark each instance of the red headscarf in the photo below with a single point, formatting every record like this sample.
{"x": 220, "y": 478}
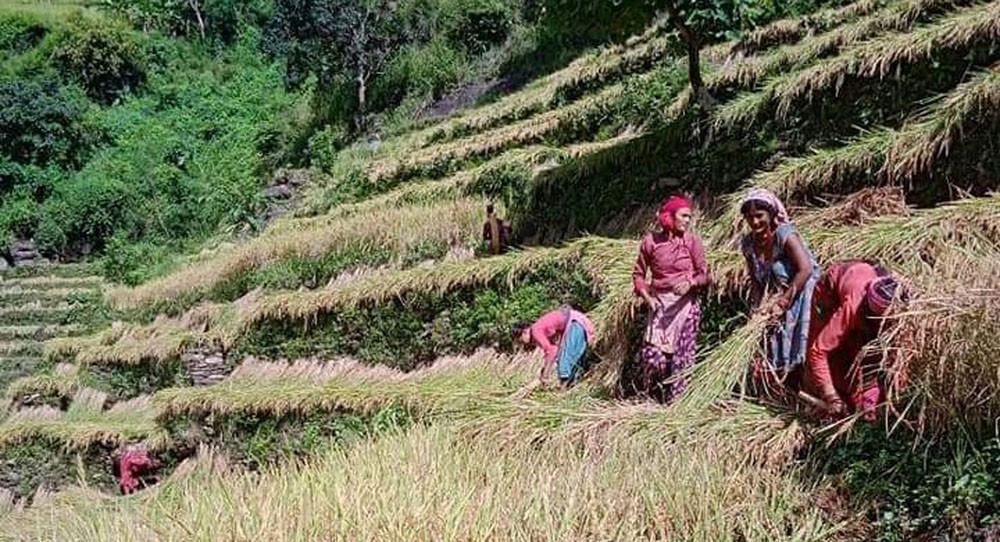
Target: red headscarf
{"x": 669, "y": 210}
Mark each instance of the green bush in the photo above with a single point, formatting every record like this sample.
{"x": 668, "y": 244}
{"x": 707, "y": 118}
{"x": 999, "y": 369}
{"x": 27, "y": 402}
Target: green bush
{"x": 425, "y": 71}
{"x": 944, "y": 490}
{"x": 19, "y": 32}
{"x": 102, "y": 55}
{"x": 42, "y": 122}
{"x": 183, "y": 160}
{"x": 221, "y": 18}
{"x": 478, "y": 25}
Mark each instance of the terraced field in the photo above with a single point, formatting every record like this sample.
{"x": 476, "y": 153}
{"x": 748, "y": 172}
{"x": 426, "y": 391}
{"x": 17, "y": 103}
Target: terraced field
{"x": 371, "y": 337}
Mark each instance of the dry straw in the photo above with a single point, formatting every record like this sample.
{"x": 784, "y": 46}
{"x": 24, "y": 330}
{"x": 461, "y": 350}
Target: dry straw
{"x": 883, "y": 155}
{"x": 873, "y": 59}
{"x": 85, "y": 425}
{"x": 399, "y": 230}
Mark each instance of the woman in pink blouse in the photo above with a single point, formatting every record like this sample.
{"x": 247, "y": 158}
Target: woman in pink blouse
{"x": 673, "y": 259}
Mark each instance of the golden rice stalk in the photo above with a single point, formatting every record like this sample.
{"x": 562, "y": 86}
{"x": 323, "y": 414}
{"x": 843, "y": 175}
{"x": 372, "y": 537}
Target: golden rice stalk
{"x": 972, "y": 104}
{"x": 606, "y": 66}
{"x": 222, "y": 325}
{"x": 449, "y": 385}
{"x": 451, "y": 187}
{"x": 912, "y": 244}
{"x": 86, "y": 403}
{"x": 433, "y": 483}
{"x": 857, "y": 209}
{"x": 791, "y": 29}
{"x": 897, "y": 17}
{"x": 20, "y": 348}
{"x": 62, "y": 381}
{"x": 443, "y": 157}
{"x": 38, "y": 332}
{"x": 883, "y": 155}
{"x": 440, "y": 279}
{"x": 872, "y": 59}
{"x": 84, "y": 427}
{"x": 47, "y": 282}
{"x": 397, "y": 229}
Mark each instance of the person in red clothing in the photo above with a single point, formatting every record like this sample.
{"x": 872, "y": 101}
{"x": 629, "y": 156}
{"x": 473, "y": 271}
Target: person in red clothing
{"x": 674, "y": 260}
{"x": 851, "y": 306}
{"x": 566, "y": 327}
{"x": 134, "y": 461}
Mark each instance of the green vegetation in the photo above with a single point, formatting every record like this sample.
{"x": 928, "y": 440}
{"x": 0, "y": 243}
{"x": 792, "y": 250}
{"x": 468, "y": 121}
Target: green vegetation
{"x": 305, "y": 330}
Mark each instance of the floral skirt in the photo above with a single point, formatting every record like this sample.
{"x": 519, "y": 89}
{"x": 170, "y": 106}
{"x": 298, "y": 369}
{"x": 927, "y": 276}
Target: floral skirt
{"x": 665, "y": 375}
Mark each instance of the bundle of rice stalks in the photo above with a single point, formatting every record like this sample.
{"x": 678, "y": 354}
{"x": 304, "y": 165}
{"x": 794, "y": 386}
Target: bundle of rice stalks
{"x": 439, "y": 279}
{"x": 858, "y": 208}
{"x": 875, "y": 58}
{"x": 432, "y": 483}
{"x": 746, "y": 72}
{"x": 63, "y": 381}
{"x": 913, "y": 243}
{"x": 427, "y": 192}
{"x": 443, "y": 158}
{"x": 221, "y": 325}
{"x": 956, "y": 116}
{"x": 398, "y": 230}
{"x": 450, "y": 385}
{"x": 883, "y": 155}
{"x": 947, "y": 368}
{"x": 126, "y": 422}
{"x": 165, "y": 338}
{"x": 787, "y": 30}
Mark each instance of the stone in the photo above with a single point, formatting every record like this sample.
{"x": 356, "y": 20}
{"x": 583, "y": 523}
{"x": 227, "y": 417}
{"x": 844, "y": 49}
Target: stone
{"x": 281, "y": 191}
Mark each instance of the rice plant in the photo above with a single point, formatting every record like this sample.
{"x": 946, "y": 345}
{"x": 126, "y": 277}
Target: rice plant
{"x": 882, "y": 155}
{"x": 433, "y": 484}
{"x": 788, "y": 30}
{"x": 397, "y": 230}
{"x": 85, "y": 425}
{"x": 875, "y": 58}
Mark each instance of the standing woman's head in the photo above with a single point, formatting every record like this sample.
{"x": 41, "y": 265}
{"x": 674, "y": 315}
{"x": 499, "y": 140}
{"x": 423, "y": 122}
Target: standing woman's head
{"x": 763, "y": 211}
{"x": 675, "y": 215}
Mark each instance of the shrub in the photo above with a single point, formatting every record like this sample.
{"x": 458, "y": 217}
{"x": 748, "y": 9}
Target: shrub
{"x": 427, "y": 71}
{"x": 42, "y": 122}
{"x": 478, "y": 25}
{"x": 102, "y": 56}
{"x": 945, "y": 490}
{"x": 19, "y": 32}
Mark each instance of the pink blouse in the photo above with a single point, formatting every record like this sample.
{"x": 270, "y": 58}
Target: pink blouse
{"x": 670, "y": 260}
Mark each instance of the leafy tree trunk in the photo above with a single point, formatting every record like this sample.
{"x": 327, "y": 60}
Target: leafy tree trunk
{"x": 693, "y": 42}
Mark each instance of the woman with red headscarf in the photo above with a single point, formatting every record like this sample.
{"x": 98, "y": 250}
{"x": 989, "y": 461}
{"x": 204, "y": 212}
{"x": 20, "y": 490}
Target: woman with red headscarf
{"x": 674, "y": 260}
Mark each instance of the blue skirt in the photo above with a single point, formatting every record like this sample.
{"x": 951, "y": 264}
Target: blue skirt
{"x": 571, "y": 352}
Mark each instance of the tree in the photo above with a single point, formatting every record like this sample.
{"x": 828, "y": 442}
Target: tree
{"x": 677, "y": 12}
{"x": 337, "y": 40}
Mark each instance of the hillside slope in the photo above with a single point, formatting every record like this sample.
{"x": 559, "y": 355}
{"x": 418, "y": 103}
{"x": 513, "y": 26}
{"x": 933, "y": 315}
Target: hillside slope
{"x": 369, "y": 334}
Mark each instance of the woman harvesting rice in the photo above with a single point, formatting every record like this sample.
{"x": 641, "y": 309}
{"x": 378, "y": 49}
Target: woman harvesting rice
{"x": 851, "y": 306}
{"x": 779, "y": 262}
{"x": 675, "y": 258}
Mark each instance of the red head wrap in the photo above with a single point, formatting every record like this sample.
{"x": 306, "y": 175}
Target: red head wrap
{"x": 669, "y": 209}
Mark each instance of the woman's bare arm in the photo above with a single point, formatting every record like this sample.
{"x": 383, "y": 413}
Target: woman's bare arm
{"x": 797, "y": 251}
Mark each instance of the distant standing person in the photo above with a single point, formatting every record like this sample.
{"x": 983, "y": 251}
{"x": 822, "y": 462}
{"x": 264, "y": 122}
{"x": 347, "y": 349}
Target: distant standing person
{"x": 851, "y": 306}
{"x": 496, "y": 232}
{"x": 566, "y": 327}
{"x": 779, "y": 262}
{"x": 675, "y": 259}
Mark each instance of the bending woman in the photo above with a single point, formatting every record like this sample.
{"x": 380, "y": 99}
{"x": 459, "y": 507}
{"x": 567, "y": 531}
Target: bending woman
{"x": 676, "y": 260}
{"x": 779, "y": 262}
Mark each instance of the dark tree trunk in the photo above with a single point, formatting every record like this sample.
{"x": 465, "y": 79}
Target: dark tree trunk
{"x": 693, "y": 42}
